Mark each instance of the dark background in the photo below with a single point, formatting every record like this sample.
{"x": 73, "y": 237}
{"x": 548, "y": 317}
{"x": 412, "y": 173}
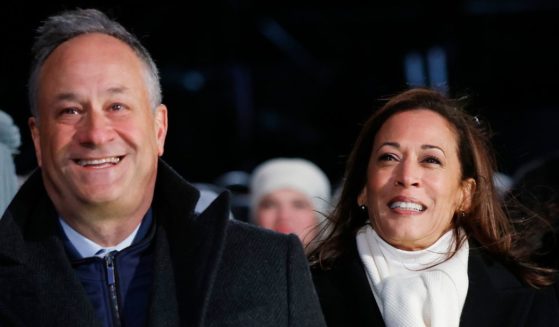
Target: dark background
{"x": 248, "y": 80}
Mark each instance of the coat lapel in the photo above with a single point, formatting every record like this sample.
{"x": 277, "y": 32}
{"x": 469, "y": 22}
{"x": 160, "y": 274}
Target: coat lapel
{"x": 363, "y": 297}
{"x": 187, "y": 251}
{"x": 345, "y": 295}
{"x": 38, "y": 250}
{"x": 59, "y": 285}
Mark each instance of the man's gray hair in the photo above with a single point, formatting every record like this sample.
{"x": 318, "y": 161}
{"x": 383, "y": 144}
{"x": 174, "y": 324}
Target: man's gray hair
{"x": 69, "y": 24}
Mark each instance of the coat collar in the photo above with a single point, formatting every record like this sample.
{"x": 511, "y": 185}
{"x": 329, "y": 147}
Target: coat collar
{"x": 188, "y": 248}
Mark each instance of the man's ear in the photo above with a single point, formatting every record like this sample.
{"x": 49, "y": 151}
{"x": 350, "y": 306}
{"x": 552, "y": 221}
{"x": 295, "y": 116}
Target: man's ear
{"x": 36, "y": 136}
{"x": 160, "y": 120}
{"x": 468, "y": 188}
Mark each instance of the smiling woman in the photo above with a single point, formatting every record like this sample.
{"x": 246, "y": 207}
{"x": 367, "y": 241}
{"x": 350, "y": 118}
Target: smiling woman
{"x": 419, "y": 236}
{"x": 414, "y": 184}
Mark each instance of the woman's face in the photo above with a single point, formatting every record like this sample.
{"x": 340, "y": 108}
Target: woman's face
{"x": 414, "y": 184}
{"x": 287, "y": 211}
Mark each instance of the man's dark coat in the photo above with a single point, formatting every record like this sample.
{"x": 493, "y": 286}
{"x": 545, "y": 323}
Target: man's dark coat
{"x": 209, "y": 270}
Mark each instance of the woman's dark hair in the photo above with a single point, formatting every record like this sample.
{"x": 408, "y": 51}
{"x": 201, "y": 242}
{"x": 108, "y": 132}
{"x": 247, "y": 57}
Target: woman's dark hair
{"x": 535, "y": 194}
{"x": 486, "y": 221}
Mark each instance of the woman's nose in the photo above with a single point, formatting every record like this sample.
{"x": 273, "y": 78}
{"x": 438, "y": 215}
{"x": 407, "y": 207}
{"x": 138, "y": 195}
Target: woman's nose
{"x": 408, "y": 174}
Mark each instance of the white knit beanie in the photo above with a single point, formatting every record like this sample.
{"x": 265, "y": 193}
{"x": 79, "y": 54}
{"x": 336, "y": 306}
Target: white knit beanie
{"x": 292, "y": 173}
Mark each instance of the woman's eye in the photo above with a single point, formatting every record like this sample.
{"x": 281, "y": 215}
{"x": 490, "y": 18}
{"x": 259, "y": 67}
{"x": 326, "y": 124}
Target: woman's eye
{"x": 387, "y": 157}
{"x": 432, "y": 160}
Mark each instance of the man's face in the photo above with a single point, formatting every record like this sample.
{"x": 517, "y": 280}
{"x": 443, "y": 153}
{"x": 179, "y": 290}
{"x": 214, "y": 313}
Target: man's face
{"x": 97, "y": 138}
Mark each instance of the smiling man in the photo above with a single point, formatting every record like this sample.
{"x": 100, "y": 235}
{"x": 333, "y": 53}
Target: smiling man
{"x": 96, "y": 136}
{"x": 104, "y": 233}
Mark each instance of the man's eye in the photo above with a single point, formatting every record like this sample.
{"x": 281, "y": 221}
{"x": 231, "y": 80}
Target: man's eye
{"x": 117, "y": 107}
{"x": 69, "y": 111}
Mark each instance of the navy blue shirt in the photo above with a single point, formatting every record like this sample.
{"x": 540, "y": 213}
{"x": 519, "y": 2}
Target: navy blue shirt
{"x": 119, "y": 284}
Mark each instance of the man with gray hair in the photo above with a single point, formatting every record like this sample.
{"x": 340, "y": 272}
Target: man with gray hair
{"x": 104, "y": 232}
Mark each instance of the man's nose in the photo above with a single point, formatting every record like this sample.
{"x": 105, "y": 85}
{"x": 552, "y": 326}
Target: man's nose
{"x": 95, "y": 129}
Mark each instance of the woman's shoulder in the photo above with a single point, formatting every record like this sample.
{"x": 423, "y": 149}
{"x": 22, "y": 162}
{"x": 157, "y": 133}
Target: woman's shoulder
{"x": 496, "y": 293}
{"x": 484, "y": 266}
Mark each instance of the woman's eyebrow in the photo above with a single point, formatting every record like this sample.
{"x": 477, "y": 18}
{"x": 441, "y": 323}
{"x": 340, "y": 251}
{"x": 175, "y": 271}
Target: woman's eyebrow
{"x": 430, "y": 146}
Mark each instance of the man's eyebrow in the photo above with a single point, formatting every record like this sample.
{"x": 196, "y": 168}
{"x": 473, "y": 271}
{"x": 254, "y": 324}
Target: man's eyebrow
{"x": 67, "y": 96}
{"x": 71, "y": 96}
{"x": 117, "y": 90}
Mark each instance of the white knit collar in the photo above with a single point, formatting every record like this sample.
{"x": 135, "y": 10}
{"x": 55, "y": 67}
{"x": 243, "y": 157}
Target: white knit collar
{"x": 415, "y": 288}
{"x": 416, "y": 260}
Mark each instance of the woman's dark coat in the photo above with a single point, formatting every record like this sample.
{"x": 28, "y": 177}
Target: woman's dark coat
{"x": 495, "y": 296}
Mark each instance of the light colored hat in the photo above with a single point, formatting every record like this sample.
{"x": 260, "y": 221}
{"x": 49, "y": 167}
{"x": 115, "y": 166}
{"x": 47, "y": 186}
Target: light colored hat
{"x": 10, "y": 140}
{"x": 293, "y": 173}
{"x": 9, "y": 133}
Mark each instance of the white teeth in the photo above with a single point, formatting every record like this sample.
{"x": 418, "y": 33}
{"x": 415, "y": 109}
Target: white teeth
{"x": 406, "y": 206}
{"x": 92, "y": 162}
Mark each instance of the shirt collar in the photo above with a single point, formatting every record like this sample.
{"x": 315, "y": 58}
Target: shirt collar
{"x": 87, "y": 248}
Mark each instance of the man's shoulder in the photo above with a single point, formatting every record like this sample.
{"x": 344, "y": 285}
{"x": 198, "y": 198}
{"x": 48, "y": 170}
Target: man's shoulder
{"x": 241, "y": 232}
{"x": 265, "y": 248}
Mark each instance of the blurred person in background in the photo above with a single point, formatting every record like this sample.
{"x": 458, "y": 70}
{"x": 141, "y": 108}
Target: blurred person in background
{"x": 290, "y": 195}
{"x": 10, "y": 140}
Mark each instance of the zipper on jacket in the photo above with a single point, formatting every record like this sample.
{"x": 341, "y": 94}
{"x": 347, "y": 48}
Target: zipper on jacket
{"x": 111, "y": 281}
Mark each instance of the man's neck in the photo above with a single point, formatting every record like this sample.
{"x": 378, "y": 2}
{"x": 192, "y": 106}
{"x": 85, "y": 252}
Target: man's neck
{"x": 87, "y": 248}
{"x": 105, "y": 232}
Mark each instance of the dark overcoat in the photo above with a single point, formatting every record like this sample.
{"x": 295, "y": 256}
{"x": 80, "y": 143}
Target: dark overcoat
{"x": 209, "y": 270}
{"x": 495, "y": 296}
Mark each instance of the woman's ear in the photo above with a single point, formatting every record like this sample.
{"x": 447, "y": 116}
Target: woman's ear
{"x": 468, "y": 188}
{"x": 362, "y": 198}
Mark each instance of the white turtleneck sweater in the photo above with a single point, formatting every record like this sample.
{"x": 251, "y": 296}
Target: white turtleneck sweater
{"x": 416, "y": 288}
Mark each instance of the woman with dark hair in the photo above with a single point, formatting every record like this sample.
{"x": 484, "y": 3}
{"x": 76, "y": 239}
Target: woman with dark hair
{"x": 419, "y": 236}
